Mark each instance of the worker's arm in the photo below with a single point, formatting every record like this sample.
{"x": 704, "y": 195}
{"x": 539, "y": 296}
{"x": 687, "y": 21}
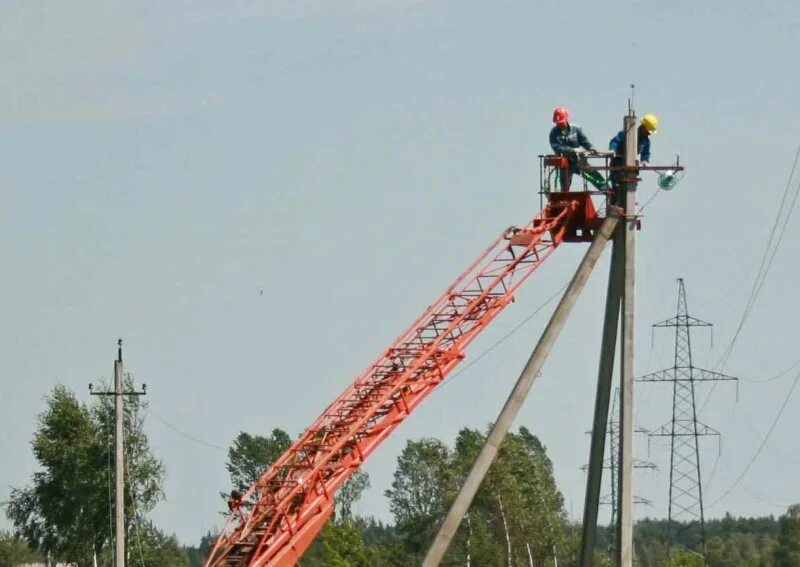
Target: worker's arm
{"x": 645, "y": 157}
{"x": 558, "y": 148}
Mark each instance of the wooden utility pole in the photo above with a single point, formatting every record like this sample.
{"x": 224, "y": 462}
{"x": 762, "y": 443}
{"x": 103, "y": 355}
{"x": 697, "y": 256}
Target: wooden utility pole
{"x": 119, "y": 394}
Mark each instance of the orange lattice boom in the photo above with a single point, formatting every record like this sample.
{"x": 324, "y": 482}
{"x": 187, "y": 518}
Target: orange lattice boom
{"x": 282, "y": 513}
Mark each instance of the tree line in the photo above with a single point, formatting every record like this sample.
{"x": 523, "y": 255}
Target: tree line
{"x": 516, "y": 520}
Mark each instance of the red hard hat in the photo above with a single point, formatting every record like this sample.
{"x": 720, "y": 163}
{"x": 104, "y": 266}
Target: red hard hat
{"x": 560, "y": 115}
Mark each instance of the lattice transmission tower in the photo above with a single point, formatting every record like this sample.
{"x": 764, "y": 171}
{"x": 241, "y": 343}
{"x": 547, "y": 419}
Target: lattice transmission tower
{"x": 686, "y": 512}
{"x": 611, "y": 465}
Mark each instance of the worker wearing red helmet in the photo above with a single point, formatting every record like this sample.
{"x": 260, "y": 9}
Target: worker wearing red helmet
{"x": 568, "y": 140}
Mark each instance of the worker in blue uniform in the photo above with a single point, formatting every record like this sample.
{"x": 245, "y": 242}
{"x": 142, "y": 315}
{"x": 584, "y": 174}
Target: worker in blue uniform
{"x": 569, "y": 141}
{"x": 647, "y": 127}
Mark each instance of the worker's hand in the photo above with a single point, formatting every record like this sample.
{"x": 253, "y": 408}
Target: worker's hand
{"x": 579, "y": 151}
{"x": 592, "y": 151}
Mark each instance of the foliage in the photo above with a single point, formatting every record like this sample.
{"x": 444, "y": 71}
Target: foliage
{"x": 198, "y": 555}
{"x": 150, "y": 546}
{"x": 416, "y": 497}
{"x": 683, "y": 558}
{"x": 338, "y": 545}
{"x": 787, "y": 551}
{"x": 13, "y": 551}
{"x": 66, "y": 510}
{"x": 349, "y": 494}
{"x": 250, "y": 456}
{"x": 516, "y": 515}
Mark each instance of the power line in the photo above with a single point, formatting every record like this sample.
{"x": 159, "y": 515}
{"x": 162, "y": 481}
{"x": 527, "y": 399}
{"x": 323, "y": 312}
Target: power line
{"x": 766, "y": 261}
{"x": 502, "y": 339}
{"x": 763, "y": 442}
{"x": 758, "y": 283}
{"x": 777, "y": 376}
{"x": 763, "y": 500}
{"x": 183, "y": 434}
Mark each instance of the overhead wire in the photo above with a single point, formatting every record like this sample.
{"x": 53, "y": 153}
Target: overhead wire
{"x": 766, "y": 261}
{"x": 758, "y": 283}
{"x": 502, "y": 339}
{"x": 182, "y": 433}
{"x": 460, "y": 371}
{"x": 778, "y": 376}
{"x": 763, "y": 500}
{"x": 763, "y": 442}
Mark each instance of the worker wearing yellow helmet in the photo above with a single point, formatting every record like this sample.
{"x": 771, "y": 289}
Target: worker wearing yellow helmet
{"x": 647, "y": 127}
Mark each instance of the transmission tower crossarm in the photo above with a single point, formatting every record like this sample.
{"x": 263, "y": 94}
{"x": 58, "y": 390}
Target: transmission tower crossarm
{"x": 687, "y": 430}
{"x": 285, "y": 509}
{"x": 683, "y": 320}
{"x": 703, "y": 375}
{"x": 684, "y": 374}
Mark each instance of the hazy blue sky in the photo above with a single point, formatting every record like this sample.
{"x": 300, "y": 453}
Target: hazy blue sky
{"x": 165, "y": 161}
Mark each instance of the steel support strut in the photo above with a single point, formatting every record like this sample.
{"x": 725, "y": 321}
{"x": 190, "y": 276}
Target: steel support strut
{"x": 515, "y": 400}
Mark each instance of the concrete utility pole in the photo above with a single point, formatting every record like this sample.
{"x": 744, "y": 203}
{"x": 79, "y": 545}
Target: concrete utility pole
{"x": 515, "y": 400}
{"x": 619, "y": 306}
{"x": 625, "y": 506}
{"x": 119, "y": 394}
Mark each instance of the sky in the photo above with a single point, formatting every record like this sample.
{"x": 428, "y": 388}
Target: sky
{"x": 259, "y": 196}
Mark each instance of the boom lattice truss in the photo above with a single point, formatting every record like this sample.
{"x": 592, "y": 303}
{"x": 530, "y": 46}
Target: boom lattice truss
{"x": 282, "y": 513}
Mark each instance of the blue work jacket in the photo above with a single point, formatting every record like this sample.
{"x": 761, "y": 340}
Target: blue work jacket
{"x": 617, "y": 145}
{"x": 565, "y": 141}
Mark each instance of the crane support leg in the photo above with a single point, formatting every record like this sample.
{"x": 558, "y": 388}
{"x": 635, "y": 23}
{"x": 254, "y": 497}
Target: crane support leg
{"x": 517, "y": 397}
{"x": 602, "y": 399}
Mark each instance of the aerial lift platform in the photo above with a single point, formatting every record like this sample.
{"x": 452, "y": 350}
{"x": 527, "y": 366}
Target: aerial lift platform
{"x": 276, "y": 519}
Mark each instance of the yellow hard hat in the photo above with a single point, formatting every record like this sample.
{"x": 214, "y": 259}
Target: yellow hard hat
{"x": 650, "y": 122}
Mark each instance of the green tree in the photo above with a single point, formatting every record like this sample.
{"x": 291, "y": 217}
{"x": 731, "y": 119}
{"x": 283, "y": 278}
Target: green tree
{"x": 250, "y": 456}
{"x": 338, "y": 545}
{"x": 518, "y": 503}
{"x": 198, "y": 555}
{"x": 416, "y": 497}
{"x": 65, "y": 511}
{"x": 13, "y": 551}
{"x": 349, "y": 494}
{"x": 683, "y": 558}
{"x": 787, "y": 552}
{"x": 150, "y": 546}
